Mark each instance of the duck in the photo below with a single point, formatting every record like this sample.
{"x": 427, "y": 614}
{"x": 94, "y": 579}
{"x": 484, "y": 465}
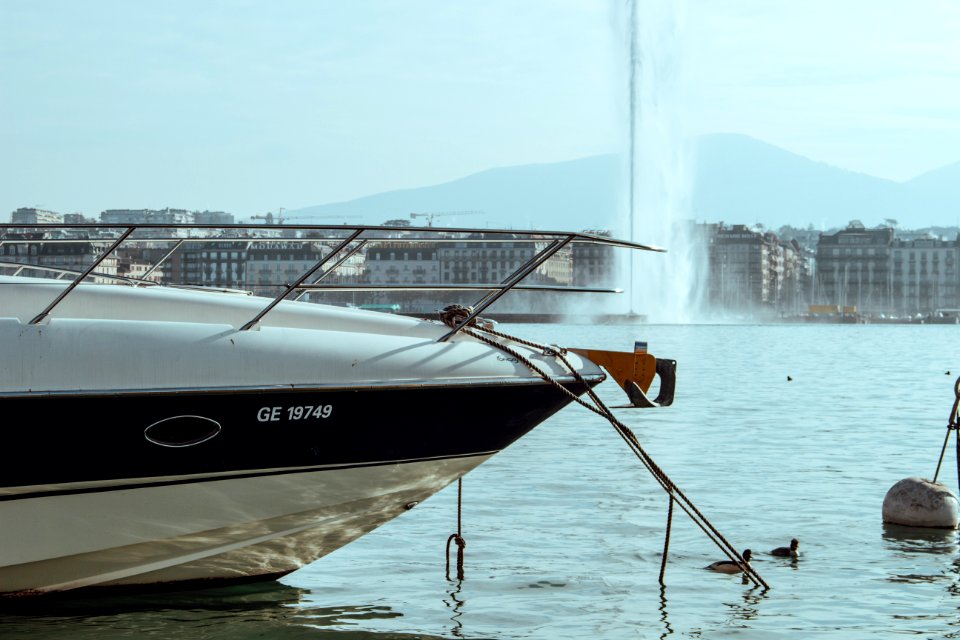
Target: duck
{"x": 788, "y": 552}
{"x": 729, "y": 566}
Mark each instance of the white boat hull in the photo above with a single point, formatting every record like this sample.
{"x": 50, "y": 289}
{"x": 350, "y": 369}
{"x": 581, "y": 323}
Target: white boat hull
{"x": 175, "y": 450}
{"x": 207, "y": 531}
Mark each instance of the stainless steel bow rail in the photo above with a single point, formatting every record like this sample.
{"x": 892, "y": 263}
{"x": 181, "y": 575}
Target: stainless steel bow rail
{"x": 348, "y": 241}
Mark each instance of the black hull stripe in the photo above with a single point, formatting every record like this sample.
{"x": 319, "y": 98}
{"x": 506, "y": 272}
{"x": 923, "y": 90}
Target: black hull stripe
{"x": 222, "y": 478}
{"x": 88, "y": 441}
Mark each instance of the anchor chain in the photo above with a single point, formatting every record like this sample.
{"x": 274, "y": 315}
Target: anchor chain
{"x": 600, "y": 408}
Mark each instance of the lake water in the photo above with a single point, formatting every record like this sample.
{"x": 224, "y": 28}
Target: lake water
{"x": 565, "y": 528}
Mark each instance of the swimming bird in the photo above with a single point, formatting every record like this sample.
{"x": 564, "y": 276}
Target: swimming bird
{"x": 788, "y": 552}
{"x": 789, "y": 379}
{"x": 729, "y": 566}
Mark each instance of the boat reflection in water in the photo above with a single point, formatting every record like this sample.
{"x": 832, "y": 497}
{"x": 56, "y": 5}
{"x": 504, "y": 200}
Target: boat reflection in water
{"x": 258, "y": 610}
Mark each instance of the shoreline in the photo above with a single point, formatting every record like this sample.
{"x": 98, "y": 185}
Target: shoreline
{"x": 548, "y": 318}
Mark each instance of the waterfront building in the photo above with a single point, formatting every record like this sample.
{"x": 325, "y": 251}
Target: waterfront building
{"x": 853, "y": 268}
{"x": 798, "y": 270}
{"x": 77, "y": 257}
{"x": 924, "y": 275}
{"x": 133, "y": 264}
{"x": 487, "y": 262}
{"x": 212, "y": 264}
{"x": 594, "y": 265}
{"x": 558, "y": 270}
{"x": 402, "y": 263}
{"x": 746, "y": 268}
{"x": 274, "y": 264}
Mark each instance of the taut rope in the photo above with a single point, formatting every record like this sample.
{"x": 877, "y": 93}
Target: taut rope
{"x": 953, "y": 424}
{"x": 455, "y": 314}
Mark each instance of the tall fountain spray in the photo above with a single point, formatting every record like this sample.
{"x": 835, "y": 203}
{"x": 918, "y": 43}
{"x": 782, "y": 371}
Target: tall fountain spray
{"x": 664, "y": 287}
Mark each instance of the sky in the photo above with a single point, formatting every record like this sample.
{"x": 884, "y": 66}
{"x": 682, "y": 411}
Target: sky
{"x": 250, "y": 107}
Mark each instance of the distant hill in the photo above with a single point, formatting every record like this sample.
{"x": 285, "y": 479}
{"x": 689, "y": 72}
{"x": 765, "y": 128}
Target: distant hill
{"x": 741, "y": 179}
{"x": 737, "y": 179}
{"x": 938, "y": 190}
{"x": 574, "y": 195}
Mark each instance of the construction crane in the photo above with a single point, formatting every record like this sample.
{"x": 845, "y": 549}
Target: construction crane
{"x": 269, "y": 217}
{"x": 430, "y": 215}
{"x": 279, "y": 218}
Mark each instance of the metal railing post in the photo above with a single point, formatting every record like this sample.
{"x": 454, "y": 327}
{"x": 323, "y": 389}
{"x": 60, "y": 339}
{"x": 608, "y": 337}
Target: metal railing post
{"x": 301, "y": 279}
{"x": 63, "y": 294}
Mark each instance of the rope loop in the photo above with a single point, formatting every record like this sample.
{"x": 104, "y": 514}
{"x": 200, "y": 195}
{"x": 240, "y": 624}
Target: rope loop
{"x": 461, "y": 545}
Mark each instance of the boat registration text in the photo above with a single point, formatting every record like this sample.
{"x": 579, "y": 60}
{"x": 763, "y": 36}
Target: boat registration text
{"x": 297, "y": 412}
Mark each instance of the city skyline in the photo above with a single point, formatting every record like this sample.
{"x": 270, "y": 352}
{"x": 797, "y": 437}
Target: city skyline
{"x": 855, "y": 273}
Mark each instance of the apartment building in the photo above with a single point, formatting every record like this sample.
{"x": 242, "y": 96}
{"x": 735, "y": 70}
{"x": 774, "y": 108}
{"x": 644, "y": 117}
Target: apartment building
{"x": 924, "y": 275}
{"x": 854, "y": 266}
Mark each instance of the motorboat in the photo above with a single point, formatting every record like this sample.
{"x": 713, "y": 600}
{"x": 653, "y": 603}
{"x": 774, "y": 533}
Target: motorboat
{"x": 174, "y": 434}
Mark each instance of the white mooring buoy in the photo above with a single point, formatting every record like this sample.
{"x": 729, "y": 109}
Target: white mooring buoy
{"x": 918, "y": 502}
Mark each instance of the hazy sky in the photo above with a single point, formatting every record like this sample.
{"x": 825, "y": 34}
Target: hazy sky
{"x": 251, "y": 106}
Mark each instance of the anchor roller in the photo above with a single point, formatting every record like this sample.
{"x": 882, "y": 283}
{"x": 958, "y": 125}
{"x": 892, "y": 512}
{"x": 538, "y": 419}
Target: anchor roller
{"x": 635, "y": 371}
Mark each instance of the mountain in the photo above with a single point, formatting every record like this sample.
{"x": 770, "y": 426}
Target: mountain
{"x": 560, "y": 196}
{"x": 938, "y": 191}
{"x": 737, "y": 179}
{"x": 741, "y": 179}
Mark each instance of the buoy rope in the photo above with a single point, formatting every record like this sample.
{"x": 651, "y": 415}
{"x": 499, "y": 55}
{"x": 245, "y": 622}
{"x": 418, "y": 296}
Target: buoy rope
{"x": 458, "y": 536}
{"x": 477, "y": 331}
{"x": 953, "y": 424}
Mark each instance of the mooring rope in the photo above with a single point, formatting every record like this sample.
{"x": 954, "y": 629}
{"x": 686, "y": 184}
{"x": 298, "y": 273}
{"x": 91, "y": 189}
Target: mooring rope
{"x": 666, "y": 541}
{"x": 453, "y": 316}
{"x": 458, "y": 536}
{"x": 953, "y": 424}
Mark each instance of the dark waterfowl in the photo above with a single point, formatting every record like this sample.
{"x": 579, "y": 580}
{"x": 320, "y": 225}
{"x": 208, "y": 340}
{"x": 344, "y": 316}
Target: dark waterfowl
{"x": 788, "y": 552}
{"x": 729, "y": 566}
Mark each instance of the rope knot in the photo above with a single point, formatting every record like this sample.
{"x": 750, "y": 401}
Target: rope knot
{"x": 454, "y": 315}
{"x": 554, "y": 350}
